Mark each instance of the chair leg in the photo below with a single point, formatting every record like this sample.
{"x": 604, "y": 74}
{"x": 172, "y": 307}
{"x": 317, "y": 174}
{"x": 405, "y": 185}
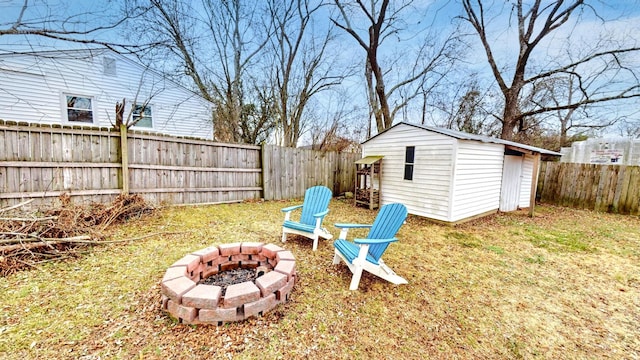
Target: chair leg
{"x": 355, "y": 280}
{"x": 284, "y": 236}
{"x": 336, "y": 258}
{"x": 315, "y": 242}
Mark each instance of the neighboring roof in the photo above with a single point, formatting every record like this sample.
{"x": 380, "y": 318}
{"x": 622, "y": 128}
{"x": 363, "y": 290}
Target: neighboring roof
{"x": 368, "y": 160}
{"x": 466, "y": 136}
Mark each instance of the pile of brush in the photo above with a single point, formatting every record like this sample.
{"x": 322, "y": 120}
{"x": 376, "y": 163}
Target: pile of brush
{"x": 29, "y": 238}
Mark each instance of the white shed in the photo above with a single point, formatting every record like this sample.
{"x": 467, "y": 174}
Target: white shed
{"x": 452, "y": 176}
{"x": 82, "y": 87}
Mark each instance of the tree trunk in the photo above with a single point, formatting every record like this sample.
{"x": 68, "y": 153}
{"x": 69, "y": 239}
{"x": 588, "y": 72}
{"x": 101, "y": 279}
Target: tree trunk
{"x": 382, "y": 114}
{"x": 511, "y": 115}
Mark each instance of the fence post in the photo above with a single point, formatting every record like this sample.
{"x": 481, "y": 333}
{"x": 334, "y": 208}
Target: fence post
{"x": 124, "y": 159}
{"x": 264, "y": 165}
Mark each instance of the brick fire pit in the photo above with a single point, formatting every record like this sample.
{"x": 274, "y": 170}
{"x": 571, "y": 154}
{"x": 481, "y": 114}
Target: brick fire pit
{"x": 192, "y": 303}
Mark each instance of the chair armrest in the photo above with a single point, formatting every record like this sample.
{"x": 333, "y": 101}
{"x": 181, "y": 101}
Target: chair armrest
{"x": 374, "y": 241}
{"x": 321, "y": 214}
{"x": 351, "y": 226}
{"x": 344, "y": 229}
{"x": 291, "y": 208}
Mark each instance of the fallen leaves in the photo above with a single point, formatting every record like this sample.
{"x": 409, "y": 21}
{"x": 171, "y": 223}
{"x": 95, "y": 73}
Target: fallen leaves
{"x": 464, "y": 299}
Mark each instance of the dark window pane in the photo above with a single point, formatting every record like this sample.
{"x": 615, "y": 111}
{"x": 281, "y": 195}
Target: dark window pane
{"x": 408, "y": 172}
{"x": 409, "y": 154}
{"x": 80, "y": 115}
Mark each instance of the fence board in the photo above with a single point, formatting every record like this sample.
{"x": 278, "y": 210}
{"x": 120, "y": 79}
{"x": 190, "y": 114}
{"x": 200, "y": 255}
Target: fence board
{"x": 609, "y": 188}
{"x": 45, "y": 161}
{"x": 288, "y": 172}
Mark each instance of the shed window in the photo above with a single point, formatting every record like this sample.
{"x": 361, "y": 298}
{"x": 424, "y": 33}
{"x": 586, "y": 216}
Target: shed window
{"x": 409, "y": 156}
{"x": 142, "y": 116}
{"x": 79, "y": 109}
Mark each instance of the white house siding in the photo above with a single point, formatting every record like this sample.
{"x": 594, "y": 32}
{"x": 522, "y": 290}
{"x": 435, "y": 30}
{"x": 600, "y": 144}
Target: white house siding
{"x": 428, "y": 193}
{"x": 477, "y": 179}
{"x": 525, "y": 185}
{"x": 33, "y": 89}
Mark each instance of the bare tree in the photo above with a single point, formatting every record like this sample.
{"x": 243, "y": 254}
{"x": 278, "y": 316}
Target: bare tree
{"x": 237, "y": 40}
{"x": 337, "y": 125}
{"x": 466, "y": 106}
{"x": 629, "y": 127}
{"x": 259, "y": 119}
{"x": 84, "y": 26}
{"x": 600, "y": 75}
{"x": 384, "y": 19}
{"x": 330, "y": 139}
{"x": 302, "y": 67}
{"x": 214, "y": 43}
{"x": 470, "y": 116}
{"x": 563, "y": 90}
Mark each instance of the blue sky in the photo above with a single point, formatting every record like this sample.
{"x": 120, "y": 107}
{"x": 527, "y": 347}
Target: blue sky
{"x": 622, "y": 22}
{"x": 623, "y": 18}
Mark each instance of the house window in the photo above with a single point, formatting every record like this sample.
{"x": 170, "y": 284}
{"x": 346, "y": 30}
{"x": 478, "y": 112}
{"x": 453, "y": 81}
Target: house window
{"x": 409, "y": 156}
{"x": 142, "y": 116}
{"x": 79, "y": 109}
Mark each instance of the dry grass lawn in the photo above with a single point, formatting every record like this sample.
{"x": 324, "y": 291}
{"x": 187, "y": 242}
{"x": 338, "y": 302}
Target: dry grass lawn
{"x": 562, "y": 285}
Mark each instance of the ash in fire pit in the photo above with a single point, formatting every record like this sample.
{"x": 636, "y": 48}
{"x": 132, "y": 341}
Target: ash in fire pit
{"x": 234, "y": 276}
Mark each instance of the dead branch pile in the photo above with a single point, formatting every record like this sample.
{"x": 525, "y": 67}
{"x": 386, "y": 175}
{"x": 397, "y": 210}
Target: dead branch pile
{"x": 59, "y": 233}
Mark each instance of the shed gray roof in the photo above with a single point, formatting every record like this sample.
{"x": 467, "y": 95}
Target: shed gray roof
{"x": 466, "y": 136}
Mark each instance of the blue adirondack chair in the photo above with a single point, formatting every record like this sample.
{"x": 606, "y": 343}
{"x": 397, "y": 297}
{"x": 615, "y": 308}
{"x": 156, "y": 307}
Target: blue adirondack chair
{"x": 365, "y": 254}
{"x": 314, "y": 209}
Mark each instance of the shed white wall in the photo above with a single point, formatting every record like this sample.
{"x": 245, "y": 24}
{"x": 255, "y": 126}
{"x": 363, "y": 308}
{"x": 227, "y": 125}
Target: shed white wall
{"x": 33, "y": 89}
{"x": 428, "y": 194}
{"x": 477, "y": 179}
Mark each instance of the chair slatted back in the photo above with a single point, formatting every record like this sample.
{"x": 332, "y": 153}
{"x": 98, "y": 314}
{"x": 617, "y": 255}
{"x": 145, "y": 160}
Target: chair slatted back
{"x": 316, "y": 199}
{"x": 389, "y": 220}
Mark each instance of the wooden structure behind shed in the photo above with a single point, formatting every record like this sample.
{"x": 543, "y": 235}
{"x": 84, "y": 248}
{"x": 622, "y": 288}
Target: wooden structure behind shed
{"x": 368, "y": 184}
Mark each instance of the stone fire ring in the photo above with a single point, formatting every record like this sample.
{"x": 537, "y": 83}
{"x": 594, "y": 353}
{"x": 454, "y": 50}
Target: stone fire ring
{"x": 192, "y": 303}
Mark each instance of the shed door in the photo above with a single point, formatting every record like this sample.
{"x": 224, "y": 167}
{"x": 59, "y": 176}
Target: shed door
{"x": 511, "y": 181}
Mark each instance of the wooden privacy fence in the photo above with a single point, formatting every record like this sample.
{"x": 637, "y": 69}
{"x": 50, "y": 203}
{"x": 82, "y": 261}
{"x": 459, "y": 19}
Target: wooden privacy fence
{"x": 288, "y": 172}
{"x": 607, "y": 188}
{"x": 42, "y": 162}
